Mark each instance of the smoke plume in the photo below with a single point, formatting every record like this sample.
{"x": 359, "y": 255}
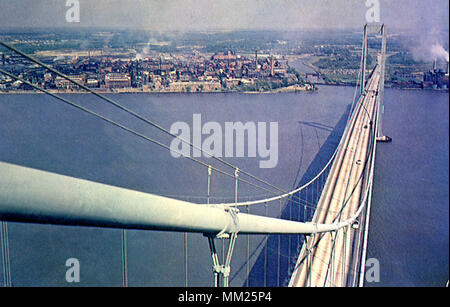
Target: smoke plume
{"x": 439, "y": 52}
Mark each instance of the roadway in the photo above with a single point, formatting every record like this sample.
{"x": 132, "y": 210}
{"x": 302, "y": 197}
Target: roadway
{"x": 327, "y": 258}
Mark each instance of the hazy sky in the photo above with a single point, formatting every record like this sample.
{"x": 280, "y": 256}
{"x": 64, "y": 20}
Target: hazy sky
{"x": 224, "y": 14}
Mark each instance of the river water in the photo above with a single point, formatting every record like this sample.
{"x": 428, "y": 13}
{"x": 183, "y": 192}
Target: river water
{"x": 409, "y": 232}
{"x": 38, "y": 131}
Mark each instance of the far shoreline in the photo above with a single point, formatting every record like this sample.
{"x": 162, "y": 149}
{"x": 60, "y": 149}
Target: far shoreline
{"x": 288, "y": 89}
{"x": 273, "y": 91}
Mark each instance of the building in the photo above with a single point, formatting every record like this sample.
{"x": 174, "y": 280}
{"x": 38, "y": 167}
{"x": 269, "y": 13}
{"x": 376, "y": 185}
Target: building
{"x": 48, "y": 77}
{"x": 92, "y": 82}
{"x": 62, "y": 83}
{"x": 227, "y": 56}
{"x": 195, "y": 86}
{"x": 117, "y": 80}
{"x": 436, "y": 79}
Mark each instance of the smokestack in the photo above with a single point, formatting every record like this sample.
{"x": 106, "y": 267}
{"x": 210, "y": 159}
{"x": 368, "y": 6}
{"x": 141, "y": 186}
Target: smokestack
{"x": 434, "y": 65}
{"x": 256, "y": 59}
{"x": 271, "y": 65}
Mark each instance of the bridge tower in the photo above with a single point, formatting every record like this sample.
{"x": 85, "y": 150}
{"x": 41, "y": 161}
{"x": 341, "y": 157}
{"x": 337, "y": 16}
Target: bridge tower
{"x": 380, "y": 31}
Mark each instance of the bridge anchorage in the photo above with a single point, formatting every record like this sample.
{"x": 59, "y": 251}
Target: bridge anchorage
{"x": 326, "y": 215}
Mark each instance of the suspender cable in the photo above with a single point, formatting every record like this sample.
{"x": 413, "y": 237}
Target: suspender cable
{"x": 186, "y": 280}
{"x": 266, "y": 251}
{"x": 124, "y": 259}
{"x": 4, "y": 238}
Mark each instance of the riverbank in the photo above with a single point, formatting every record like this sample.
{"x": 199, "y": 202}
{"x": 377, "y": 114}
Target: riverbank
{"x": 289, "y": 89}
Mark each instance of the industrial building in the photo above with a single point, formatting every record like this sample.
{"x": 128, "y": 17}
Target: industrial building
{"x": 62, "y": 83}
{"x": 436, "y": 78}
{"x": 117, "y": 80}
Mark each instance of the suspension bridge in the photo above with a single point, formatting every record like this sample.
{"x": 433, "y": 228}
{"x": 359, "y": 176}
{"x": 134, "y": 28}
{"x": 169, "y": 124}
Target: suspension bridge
{"x": 326, "y": 224}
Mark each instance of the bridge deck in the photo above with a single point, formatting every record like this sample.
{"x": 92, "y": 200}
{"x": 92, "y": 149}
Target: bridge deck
{"x": 329, "y": 263}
